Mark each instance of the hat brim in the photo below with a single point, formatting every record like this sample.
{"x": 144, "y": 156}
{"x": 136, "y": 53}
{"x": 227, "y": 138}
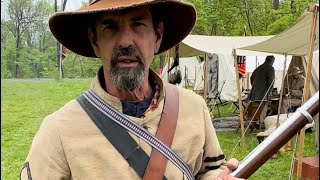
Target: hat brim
{"x": 71, "y": 28}
{"x": 298, "y": 72}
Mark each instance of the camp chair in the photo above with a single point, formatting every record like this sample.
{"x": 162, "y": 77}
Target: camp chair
{"x": 216, "y": 102}
{"x": 251, "y": 115}
{"x": 244, "y": 97}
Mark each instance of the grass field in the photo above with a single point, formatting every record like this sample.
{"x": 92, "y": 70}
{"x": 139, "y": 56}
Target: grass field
{"x": 25, "y": 103}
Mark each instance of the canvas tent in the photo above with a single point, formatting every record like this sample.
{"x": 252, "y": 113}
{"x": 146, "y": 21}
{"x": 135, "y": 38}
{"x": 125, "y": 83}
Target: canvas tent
{"x": 252, "y": 64}
{"x": 226, "y": 78}
{"x": 195, "y": 45}
{"x": 301, "y": 40}
{"x": 294, "y": 41}
{"x": 227, "y": 74}
{"x": 188, "y": 71}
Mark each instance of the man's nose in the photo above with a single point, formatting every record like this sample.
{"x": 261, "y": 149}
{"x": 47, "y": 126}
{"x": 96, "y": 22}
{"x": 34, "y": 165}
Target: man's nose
{"x": 126, "y": 37}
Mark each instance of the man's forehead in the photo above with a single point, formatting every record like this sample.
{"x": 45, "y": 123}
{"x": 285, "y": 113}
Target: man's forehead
{"x": 142, "y": 12}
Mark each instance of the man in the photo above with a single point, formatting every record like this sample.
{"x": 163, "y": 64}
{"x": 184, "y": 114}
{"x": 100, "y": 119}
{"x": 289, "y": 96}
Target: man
{"x": 125, "y": 35}
{"x": 262, "y": 80}
{"x": 294, "y": 91}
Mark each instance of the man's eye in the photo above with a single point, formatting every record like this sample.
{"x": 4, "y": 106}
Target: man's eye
{"x": 109, "y": 26}
{"x": 138, "y": 23}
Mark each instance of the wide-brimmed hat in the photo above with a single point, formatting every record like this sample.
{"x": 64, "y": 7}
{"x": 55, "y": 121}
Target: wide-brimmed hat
{"x": 295, "y": 70}
{"x": 71, "y": 28}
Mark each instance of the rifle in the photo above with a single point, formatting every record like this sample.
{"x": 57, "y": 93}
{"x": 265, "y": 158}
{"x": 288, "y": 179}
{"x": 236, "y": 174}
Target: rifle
{"x": 278, "y": 138}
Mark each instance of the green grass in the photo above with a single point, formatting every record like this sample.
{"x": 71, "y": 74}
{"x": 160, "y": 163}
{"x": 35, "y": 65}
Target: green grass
{"x": 225, "y": 110}
{"x": 24, "y": 104}
{"x": 23, "y": 107}
{"x": 273, "y": 169}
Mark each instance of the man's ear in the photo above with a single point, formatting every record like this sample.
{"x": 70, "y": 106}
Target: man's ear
{"x": 158, "y": 38}
{"x": 93, "y": 40}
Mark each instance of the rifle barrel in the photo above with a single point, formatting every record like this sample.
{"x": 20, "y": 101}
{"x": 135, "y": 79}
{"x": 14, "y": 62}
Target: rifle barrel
{"x": 276, "y": 140}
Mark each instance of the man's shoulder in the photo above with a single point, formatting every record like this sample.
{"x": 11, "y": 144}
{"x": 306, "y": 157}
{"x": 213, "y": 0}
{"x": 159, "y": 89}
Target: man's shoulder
{"x": 71, "y": 111}
{"x": 189, "y": 95}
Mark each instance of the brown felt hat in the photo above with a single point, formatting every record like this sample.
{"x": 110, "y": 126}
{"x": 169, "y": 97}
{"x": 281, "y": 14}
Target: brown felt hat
{"x": 295, "y": 70}
{"x": 71, "y": 28}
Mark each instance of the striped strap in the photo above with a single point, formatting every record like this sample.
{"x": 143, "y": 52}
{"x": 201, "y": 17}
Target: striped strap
{"x": 119, "y": 137}
{"x": 137, "y": 130}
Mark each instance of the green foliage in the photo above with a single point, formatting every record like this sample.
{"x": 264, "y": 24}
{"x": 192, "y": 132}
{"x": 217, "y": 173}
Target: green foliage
{"x": 155, "y": 64}
{"x": 280, "y": 25}
{"x": 232, "y": 17}
{"x": 32, "y": 54}
{"x": 75, "y": 66}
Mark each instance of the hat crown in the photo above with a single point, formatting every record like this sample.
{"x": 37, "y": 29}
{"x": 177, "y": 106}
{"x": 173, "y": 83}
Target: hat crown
{"x": 71, "y": 28}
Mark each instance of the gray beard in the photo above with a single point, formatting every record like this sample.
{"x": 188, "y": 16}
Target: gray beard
{"x": 128, "y": 79}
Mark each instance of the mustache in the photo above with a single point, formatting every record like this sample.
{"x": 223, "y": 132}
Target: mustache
{"x": 118, "y": 52}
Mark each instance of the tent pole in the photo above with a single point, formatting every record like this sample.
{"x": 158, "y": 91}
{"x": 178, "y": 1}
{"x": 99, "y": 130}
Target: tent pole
{"x": 60, "y": 62}
{"x": 205, "y": 81}
{"x": 281, "y": 90}
{"x": 185, "y": 76}
{"x": 281, "y": 100}
{"x": 306, "y": 89}
{"x": 195, "y": 77}
{"x": 240, "y": 101}
{"x": 168, "y": 60}
{"x": 248, "y": 81}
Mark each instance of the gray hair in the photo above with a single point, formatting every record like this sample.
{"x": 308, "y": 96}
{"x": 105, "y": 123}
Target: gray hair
{"x": 127, "y": 79}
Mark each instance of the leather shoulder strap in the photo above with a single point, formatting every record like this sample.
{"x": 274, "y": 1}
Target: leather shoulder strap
{"x": 118, "y": 137}
{"x": 165, "y": 133}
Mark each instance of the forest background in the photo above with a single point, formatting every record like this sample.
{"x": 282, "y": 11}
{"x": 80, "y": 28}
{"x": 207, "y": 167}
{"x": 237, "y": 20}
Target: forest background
{"x": 29, "y": 50}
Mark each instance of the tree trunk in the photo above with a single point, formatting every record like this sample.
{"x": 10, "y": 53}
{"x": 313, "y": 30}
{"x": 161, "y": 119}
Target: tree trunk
{"x": 18, "y": 43}
{"x": 64, "y": 5}
{"x": 213, "y": 29}
{"x": 275, "y": 4}
{"x": 291, "y": 4}
{"x": 55, "y": 6}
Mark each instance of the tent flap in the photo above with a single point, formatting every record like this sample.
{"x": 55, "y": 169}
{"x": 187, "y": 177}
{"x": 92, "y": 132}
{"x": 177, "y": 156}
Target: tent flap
{"x": 295, "y": 41}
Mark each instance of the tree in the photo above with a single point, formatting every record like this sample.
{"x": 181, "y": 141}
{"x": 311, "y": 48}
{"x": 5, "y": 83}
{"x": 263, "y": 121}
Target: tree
{"x": 275, "y": 4}
{"x": 227, "y": 18}
{"x": 56, "y": 9}
{"x": 23, "y": 16}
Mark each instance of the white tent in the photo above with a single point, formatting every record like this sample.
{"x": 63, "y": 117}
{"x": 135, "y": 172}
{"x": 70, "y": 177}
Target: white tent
{"x": 187, "y": 68}
{"x": 253, "y": 62}
{"x": 296, "y": 41}
{"x": 198, "y": 83}
{"x": 194, "y": 45}
{"x": 226, "y": 78}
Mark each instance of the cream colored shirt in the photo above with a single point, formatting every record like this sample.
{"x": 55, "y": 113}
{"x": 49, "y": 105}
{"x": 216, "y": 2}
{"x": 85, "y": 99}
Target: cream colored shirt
{"x": 68, "y": 145}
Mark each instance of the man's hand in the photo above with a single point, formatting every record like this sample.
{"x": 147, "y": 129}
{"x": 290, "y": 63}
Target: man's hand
{"x": 229, "y": 165}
